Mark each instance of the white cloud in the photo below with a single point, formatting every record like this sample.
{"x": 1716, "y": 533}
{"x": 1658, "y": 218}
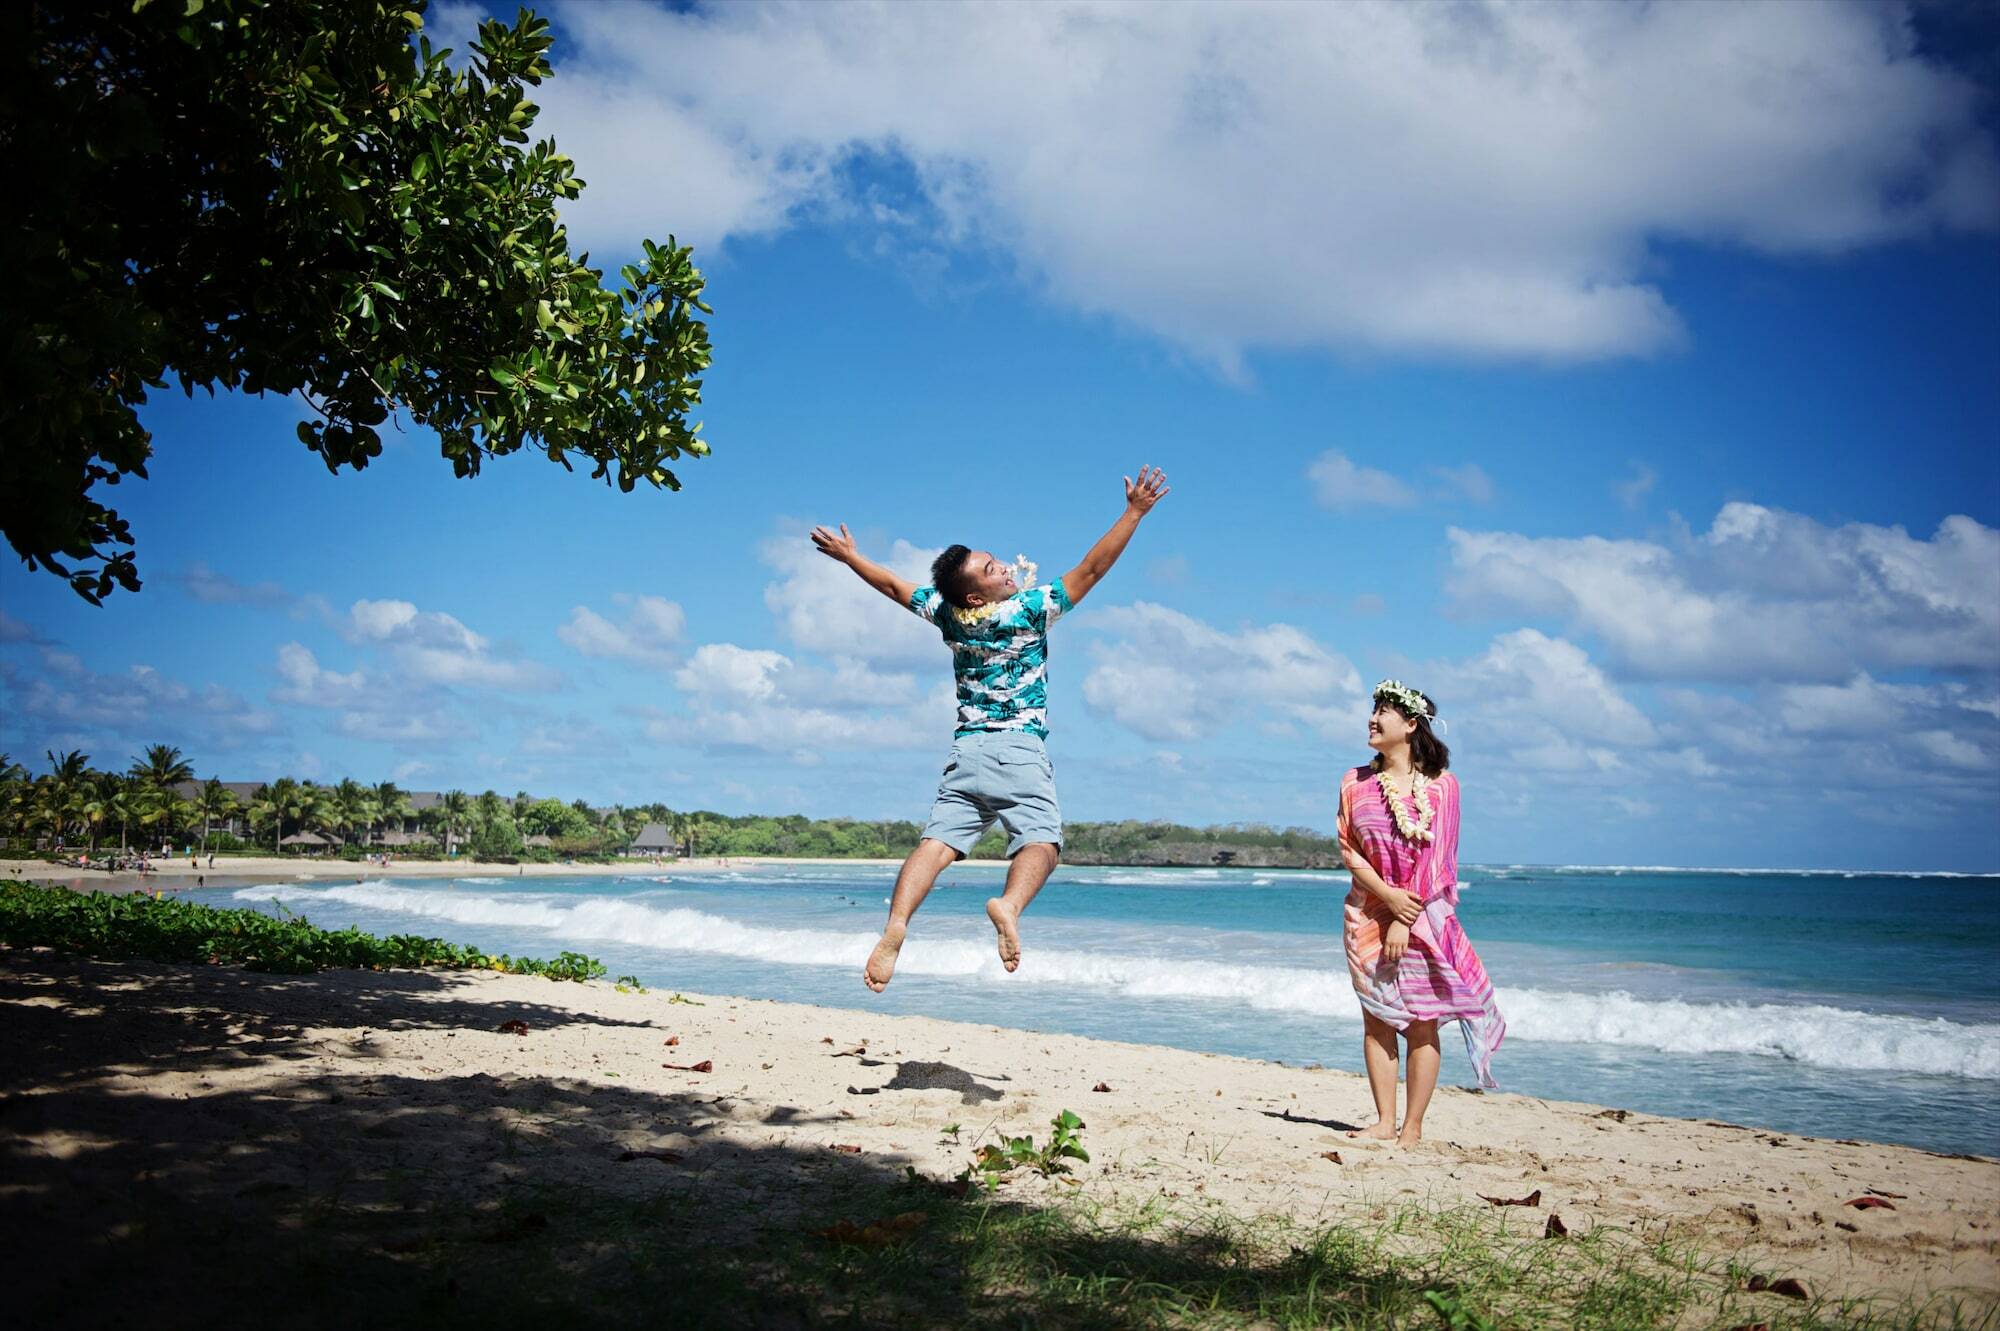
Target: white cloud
{"x": 1340, "y": 483}
{"x": 431, "y": 647}
{"x": 724, "y": 670}
{"x": 1837, "y": 741}
{"x": 822, "y": 607}
{"x": 140, "y": 704}
{"x": 1763, "y": 594}
{"x": 210, "y": 587}
{"x": 650, "y": 635}
{"x": 1167, "y": 676}
{"x": 1539, "y": 702}
{"x": 1861, "y": 706}
{"x": 1467, "y": 482}
{"x": 308, "y": 684}
{"x": 13, "y": 630}
{"x": 1632, "y": 491}
{"x": 1476, "y": 179}
{"x": 380, "y": 708}
{"x": 758, "y": 699}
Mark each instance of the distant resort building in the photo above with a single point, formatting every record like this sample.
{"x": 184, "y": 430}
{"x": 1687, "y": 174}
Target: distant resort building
{"x": 653, "y": 839}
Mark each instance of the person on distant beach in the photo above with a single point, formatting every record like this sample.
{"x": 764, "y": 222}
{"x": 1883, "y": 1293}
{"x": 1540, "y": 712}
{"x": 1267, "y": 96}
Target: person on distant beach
{"x": 1410, "y": 961}
{"x": 997, "y": 627}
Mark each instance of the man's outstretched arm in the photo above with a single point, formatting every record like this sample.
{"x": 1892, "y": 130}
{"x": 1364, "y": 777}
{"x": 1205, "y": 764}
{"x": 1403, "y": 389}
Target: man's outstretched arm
{"x": 1140, "y": 496}
{"x": 839, "y": 545}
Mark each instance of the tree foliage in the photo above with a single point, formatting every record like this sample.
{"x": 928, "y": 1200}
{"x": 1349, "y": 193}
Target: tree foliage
{"x": 71, "y": 800}
{"x": 304, "y": 198}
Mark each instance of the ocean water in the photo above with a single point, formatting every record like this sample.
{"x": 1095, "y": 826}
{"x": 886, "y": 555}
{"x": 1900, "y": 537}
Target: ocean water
{"x": 1841, "y": 1005}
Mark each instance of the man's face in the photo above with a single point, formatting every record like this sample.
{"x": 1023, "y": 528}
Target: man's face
{"x": 990, "y": 579}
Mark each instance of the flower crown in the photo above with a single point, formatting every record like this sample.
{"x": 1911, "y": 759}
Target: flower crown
{"x": 1406, "y": 697}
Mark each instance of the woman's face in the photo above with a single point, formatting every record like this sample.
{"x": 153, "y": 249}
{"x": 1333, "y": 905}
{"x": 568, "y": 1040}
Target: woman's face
{"x": 1388, "y": 727}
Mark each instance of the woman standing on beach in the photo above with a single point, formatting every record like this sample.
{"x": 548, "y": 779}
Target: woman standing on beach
{"x": 1410, "y": 961}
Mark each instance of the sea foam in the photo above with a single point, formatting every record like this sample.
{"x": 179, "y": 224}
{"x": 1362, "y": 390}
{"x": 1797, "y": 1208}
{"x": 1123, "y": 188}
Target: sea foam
{"x": 1814, "y": 1034}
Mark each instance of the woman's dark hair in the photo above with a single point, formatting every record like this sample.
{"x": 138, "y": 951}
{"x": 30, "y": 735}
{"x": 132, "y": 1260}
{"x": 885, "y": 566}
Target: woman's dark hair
{"x": 948, "y": 574}
{"x": 1428, "y": 753}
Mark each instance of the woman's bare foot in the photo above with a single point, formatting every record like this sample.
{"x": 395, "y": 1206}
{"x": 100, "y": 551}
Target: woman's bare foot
{"x": 881, "y": 965}
{"x": 1380, "y": 1132}
{"x": 1004, "y": 917}
{"x": 1411, "y": 1135}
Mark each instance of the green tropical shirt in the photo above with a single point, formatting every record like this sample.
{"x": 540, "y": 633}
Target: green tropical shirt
{"x": 1001, "y": 662}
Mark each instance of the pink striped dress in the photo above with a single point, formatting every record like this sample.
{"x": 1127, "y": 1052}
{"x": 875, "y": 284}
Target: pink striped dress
{"x": 1439, "y": 977}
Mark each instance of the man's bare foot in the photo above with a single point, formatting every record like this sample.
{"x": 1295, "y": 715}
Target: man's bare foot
{"x": 881, "y": 965}
{"x": 1003, "y": 917}
{"x": 1380, "y": 1132}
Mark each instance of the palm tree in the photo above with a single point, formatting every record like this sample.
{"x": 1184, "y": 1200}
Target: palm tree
{"x": 279, "y": 802}
{"x": 455, "y": 807}
{"x": 698, "y": 830}
{"x": 391, "y": 803}
{"x": 68, "y": 790}
{"x": 319, "y": 809}
{"x": 355, "y": 806}
{"x": 15, "y": 790}
{"x": 155, "y": 775}
{"x": 214, "y": 800}
{"x": 121, "y": 800}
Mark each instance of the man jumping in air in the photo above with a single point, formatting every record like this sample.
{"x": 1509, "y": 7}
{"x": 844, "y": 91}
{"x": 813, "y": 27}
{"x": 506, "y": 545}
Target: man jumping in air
{"x": 998, "y": 769}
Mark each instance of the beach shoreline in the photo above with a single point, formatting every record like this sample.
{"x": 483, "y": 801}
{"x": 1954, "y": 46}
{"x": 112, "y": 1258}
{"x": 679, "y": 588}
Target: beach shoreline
{"x": 243, "y": 871}
{"x": 142, "y": 1059}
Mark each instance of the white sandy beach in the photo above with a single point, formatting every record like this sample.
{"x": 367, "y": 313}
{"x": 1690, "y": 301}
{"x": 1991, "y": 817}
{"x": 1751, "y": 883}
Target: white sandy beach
{"x": 221, "y": 1069}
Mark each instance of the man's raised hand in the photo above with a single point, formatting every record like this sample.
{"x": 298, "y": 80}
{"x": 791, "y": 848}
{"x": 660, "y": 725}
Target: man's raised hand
{"x": 839, "y": 545}
{"x": 1148, "y": 490}
{"x": 834, "y": 545}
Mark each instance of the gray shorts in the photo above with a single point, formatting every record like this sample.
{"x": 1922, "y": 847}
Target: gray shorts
{"x": 996, "y": 776}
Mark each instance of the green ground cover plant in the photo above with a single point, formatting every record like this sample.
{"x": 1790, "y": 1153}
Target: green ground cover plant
{"x": 909, "y": 1256}
{"x": 1050, "y": 1158}
{"x": 143, "y": 928}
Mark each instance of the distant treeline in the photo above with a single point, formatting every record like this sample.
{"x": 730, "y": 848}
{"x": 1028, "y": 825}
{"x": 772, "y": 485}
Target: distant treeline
{"x": 157, "y": 801}
{"x": 1127, "y": 842}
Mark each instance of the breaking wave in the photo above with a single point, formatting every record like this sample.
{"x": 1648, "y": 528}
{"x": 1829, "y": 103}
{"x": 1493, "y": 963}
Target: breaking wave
{"x": 1815, "y": 1034}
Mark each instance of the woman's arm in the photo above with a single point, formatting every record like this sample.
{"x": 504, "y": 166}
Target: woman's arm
{"x": 1405, "y": 906}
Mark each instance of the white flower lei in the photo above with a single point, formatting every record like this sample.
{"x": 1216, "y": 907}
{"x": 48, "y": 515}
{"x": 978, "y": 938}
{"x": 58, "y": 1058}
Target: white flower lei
{"x": 1024, "y": 578}
{"x": 1417, "y": 828}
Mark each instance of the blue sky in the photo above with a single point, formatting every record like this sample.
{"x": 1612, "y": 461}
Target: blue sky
{"x": 1653, "y": 433}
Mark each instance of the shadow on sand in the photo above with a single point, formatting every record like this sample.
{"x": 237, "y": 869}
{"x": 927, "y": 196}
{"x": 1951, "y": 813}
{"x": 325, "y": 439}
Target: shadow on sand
{"x": 319, "y": 1198}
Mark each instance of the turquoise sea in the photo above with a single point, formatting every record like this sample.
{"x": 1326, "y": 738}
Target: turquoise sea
{"x": 1836, "y": 1004}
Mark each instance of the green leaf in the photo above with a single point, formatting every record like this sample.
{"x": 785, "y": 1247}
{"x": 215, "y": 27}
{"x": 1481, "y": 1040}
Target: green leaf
{"x": 310, "y": 99}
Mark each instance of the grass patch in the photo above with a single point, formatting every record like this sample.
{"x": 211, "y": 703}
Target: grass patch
{"x": 560, "y": 1256}
{"x": 136, "y": 927}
